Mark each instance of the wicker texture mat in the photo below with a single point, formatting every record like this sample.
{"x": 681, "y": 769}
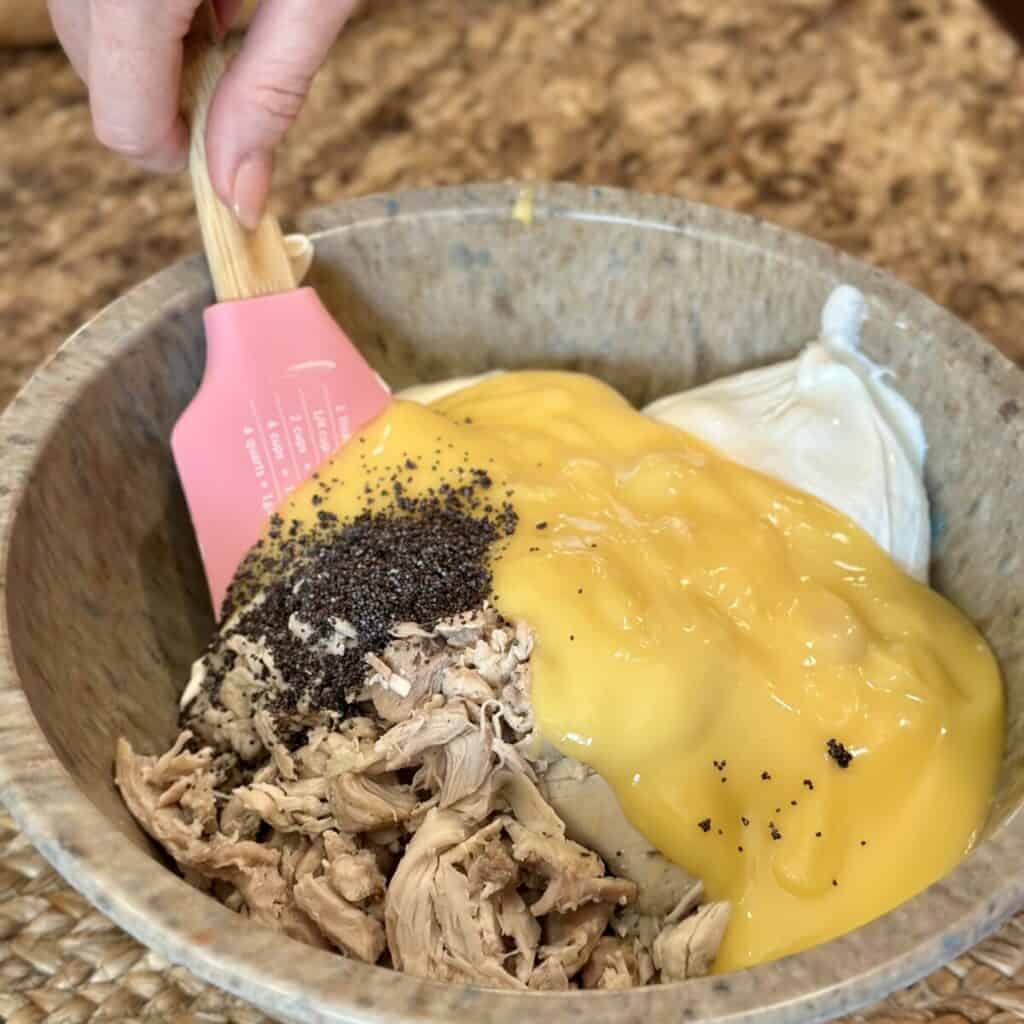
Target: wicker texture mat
{"x": 62, "y": 962}
{"x": 891, "y": 128}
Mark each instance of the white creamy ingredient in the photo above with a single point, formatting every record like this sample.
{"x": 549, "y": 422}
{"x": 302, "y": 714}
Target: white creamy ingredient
{"x": 827, "y": 422}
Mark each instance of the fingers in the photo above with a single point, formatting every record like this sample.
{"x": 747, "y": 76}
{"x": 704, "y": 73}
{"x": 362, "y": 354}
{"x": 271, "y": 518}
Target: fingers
{"x": 227, "y": 12}
{"x": 71, "y": 23}
{"x": 129, "y": 53}
{"x": 261, "y": 95}
{"x": 134, "y": 72}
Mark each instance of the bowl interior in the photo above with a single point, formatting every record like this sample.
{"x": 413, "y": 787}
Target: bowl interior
{"x": 106, "y": 606}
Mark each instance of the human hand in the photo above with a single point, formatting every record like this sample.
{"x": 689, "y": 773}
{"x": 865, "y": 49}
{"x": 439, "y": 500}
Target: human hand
{"x": 129, "y": 54}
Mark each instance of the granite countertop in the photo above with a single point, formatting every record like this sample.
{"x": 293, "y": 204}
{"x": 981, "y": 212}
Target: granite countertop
{"x": 890, "y": 128}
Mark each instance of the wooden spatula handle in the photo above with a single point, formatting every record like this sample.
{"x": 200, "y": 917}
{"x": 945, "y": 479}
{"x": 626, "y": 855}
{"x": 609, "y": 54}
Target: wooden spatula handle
{"x": 243, "y": 263}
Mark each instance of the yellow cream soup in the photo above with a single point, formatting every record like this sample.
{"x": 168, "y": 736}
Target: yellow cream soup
{"x": 703, "y": 633}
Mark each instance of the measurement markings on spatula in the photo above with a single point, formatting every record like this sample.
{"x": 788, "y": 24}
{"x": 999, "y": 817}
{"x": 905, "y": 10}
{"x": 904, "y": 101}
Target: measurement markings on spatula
{"x": 308, "y": 466}
{"x": 327, "y": 406}
{"x": 261, "y": 427}
{"x": 287, "y": 431}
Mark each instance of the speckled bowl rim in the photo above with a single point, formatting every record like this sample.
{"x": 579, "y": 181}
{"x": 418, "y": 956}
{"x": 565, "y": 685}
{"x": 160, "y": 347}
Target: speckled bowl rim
{"x": 285, "y": 979}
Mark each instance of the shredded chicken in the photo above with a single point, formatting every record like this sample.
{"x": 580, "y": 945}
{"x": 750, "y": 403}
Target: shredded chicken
{"x": 432, "y": 829}
{"x": 687, "y": 949}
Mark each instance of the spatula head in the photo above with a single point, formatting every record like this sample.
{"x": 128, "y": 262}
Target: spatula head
{"x": 283, "y": 388}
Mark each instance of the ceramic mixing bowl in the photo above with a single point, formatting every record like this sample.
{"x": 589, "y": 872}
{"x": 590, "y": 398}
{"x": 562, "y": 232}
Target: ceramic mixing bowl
{"x": 104, "y": 604}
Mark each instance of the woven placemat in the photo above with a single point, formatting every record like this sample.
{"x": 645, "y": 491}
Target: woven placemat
{"x": 891, "y": 128}
{"x": 62, "y": 962}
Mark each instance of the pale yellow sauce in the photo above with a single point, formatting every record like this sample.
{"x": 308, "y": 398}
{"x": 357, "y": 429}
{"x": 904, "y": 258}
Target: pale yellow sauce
{"x": 690, "y": 612}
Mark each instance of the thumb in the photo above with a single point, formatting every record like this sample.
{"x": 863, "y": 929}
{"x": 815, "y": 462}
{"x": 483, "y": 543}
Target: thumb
{"x": 261, "y": 94}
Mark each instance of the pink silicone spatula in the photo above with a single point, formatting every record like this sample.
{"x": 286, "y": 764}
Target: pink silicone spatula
{"x": 283, "y": 385}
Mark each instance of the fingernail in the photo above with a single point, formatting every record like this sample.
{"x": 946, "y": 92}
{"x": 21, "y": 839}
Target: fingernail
{"x": 249, "y": 191}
